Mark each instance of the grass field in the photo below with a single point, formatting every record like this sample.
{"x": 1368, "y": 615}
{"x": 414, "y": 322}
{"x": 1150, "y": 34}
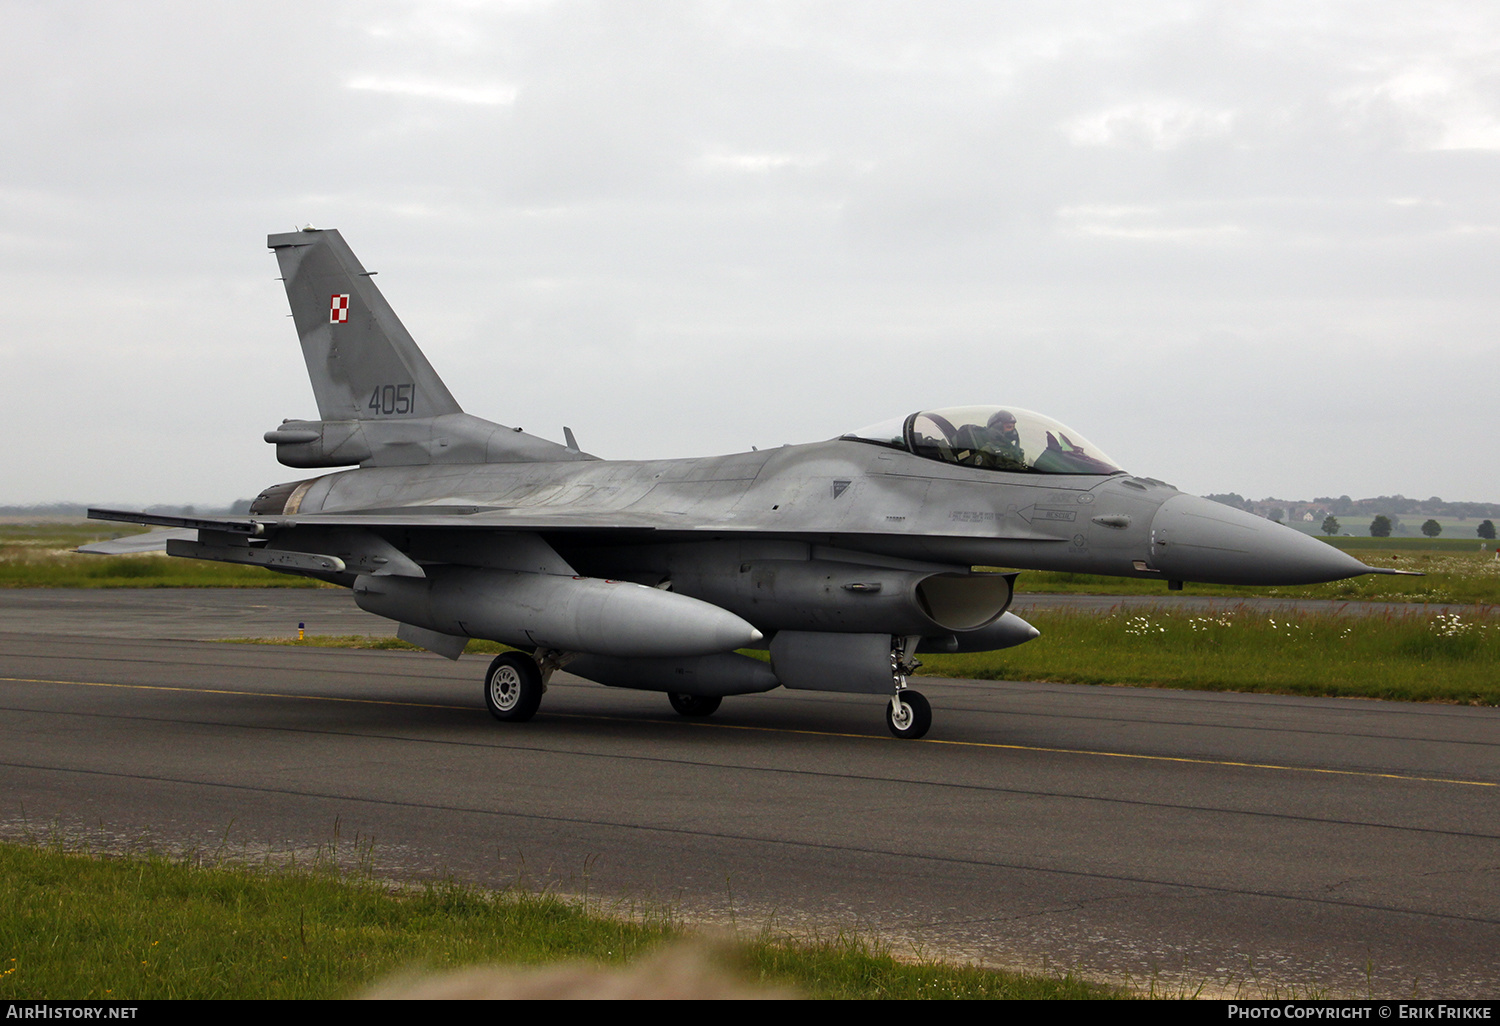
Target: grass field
{"x": 42, "y": 556}
{"x": 78, "y": 927}
{"x": 1470, "y": 544}
{"x": 1407, "y": 656}
{"x": 1357, "y": 529}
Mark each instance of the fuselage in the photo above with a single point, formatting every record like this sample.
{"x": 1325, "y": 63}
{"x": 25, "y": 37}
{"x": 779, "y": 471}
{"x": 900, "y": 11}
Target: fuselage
{"x": 846, "y": 495}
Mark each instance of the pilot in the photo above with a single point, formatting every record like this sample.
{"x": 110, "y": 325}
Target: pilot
{"x": 1000, "y": 445}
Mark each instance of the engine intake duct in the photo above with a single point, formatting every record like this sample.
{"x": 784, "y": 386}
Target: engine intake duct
{"x": 1007, "y": 632}
{"x": 826, "y": 595}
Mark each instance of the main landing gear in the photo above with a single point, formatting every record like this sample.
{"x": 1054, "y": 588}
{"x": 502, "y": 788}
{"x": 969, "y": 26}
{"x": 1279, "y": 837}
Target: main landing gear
{"x": 695, "y": 706}
{"x": 513, "y": 687}
{"x": 515, "y": 682}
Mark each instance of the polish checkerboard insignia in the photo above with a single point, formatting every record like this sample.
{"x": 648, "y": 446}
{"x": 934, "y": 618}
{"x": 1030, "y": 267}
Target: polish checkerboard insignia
{"x": 338, "y": 309}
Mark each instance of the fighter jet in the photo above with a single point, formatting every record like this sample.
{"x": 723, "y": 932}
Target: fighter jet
{"x": 845, "y": 558}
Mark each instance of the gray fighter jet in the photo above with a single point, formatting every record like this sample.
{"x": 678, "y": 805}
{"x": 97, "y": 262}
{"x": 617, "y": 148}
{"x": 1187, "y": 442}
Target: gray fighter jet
{"x": 846, "y": 558}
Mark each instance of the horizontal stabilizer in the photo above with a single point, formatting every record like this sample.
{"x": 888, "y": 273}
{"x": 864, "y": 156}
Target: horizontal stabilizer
{"x": 234, "y": 525}
{"x": 151, "y": 541}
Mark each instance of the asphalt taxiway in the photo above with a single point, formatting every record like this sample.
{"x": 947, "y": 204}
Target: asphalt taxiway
{"x": 1237, "y": 841}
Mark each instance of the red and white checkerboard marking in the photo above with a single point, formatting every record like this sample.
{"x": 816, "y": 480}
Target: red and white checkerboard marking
{"x": 338, "y": 309}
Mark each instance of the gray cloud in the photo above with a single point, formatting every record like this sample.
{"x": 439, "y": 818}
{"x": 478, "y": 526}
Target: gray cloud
{"x": 1242, "y": 247}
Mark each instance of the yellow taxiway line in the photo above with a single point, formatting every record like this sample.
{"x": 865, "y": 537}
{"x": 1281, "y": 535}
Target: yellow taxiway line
{"x": 793, "y": 730}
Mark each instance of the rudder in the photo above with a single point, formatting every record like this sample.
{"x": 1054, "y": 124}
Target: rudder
{"x": 363, "y": 363}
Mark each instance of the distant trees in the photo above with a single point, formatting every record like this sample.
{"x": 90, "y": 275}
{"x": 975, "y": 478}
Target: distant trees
{"x": 1380, "y": 527}
{"x": 1330, "y": 524}
{"x": 1234, "y": 499}
{"x": 1350, "y": 510}
{"x": 1487, "y": 529}
{"x": 1432, "y": 528}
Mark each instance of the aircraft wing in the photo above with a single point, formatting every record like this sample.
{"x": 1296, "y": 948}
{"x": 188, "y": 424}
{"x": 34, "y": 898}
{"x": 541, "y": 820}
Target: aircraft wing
{"x": 502, "y": 518}
{"x": 491, "y": 518}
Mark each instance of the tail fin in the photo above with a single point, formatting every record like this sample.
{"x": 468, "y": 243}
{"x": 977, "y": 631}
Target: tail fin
{"x": 363, "y": 363}
{"x": 380, "y": 401}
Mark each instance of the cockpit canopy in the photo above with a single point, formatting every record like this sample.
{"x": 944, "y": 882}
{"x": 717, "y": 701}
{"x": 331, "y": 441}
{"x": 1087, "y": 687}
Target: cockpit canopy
{"x": 992, "y": 438}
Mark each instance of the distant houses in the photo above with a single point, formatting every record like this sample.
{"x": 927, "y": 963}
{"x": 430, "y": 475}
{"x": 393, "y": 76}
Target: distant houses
{"x": 1355, "y": 514}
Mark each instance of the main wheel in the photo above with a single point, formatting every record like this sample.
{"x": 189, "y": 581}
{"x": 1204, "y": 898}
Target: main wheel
{"x": 695, "y": 705}
{"x": 513, "y": 687}
{"x": 913, "y": 716}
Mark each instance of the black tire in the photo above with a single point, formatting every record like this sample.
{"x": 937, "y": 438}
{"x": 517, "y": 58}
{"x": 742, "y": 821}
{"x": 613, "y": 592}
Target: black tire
{"x": 916, "y": 715}
{"x": 695, "y": 705}
{"x": 513, "y": 687}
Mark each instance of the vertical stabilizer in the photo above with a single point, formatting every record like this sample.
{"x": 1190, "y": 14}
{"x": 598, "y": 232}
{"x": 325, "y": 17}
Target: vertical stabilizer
{"x": 380, "y": 401}
{"x": 363, "y": 363}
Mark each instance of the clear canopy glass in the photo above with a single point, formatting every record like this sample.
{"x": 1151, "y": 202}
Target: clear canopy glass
{"x": 992, "y": 438}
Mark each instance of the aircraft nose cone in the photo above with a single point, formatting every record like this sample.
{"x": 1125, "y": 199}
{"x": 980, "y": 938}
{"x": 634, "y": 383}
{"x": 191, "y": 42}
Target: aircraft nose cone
{"x": 1196, "y": 539}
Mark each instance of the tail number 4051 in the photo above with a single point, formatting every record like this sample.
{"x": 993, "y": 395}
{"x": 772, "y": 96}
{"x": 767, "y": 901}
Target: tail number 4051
{"x": 391, "y": 399}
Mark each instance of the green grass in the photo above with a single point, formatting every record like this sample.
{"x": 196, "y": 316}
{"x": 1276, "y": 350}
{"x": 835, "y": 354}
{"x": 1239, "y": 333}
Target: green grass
{"x": 391, "y": 644}
{"x": 78, "y": 927}
{"x": 63, "y": 534}
{"x": 42, "y": 556}
{"x": 1407, "y": 656}
{"x": 476, "y": 646}
{"x": 71, "y": 570}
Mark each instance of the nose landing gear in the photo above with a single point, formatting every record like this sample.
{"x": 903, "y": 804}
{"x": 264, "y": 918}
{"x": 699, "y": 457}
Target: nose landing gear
{"x": 908, "y": 714}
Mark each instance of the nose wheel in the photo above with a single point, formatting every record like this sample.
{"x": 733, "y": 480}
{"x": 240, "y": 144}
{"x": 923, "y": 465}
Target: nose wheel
{"x": 908, "y": 714}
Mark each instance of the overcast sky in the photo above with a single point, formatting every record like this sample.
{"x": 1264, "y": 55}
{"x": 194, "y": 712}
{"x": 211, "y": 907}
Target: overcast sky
{"x": 1245, "y": 246}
